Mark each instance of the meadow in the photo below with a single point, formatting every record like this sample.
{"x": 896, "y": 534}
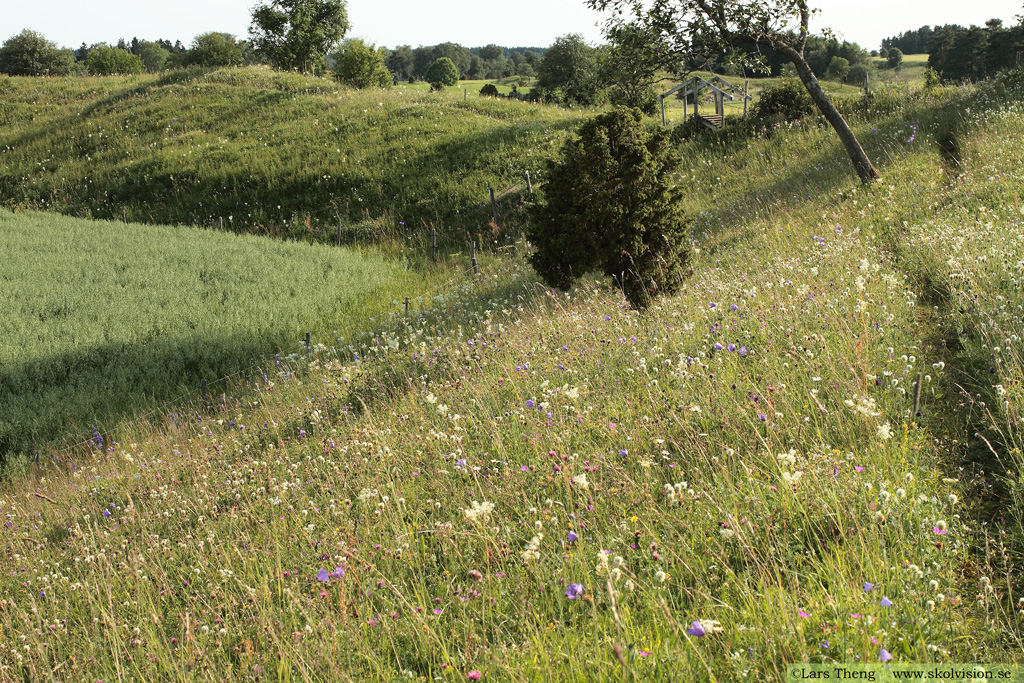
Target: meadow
{"x": 271, "y": 153}
{"x": 812, "y": 455}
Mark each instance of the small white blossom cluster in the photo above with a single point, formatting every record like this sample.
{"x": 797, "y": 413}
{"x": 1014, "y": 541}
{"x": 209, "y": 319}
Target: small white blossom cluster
{"x": 478, "y": 512}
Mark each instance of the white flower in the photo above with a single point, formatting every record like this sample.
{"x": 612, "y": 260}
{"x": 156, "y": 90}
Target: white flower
{"x": 581, "y": 481}
{"x": 884, "y": 431}
{"x": 532, "y": 551}
{"x": 479, "y": 512}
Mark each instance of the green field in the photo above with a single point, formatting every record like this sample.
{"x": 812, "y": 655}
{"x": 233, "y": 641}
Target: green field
{"x": 106, "y": 319}
{"x": 812, "y": 454}
{"x": 269, "y": 152}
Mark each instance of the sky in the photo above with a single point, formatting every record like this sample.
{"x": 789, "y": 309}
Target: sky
{"x": 527, "y": 23}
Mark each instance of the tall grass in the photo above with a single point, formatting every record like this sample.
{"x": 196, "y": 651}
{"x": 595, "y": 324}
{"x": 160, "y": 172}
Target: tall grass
{"x": 268, "y": 152}
{"x": 528, "y": 485}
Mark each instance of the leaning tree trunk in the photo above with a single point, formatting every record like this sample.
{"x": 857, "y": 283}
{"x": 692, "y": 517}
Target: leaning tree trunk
{"x": 858, "y": 156}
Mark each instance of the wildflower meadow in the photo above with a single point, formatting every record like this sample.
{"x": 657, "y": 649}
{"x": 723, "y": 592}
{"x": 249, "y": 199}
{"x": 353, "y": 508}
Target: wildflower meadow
{"x": 810, "y": 455}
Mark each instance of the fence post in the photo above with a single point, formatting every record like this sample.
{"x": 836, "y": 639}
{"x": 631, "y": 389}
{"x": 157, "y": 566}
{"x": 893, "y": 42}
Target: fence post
{"x": 433, "y": 243}
{"x": 221, "y": 219}
{"x": 494, "y": 205}
{"x": 472, "y": 257}
{"x": 406, "y": 307}
{"x": 124, "y": 215}
{"x": 339, "y": 232}
{"x": 529, "y": 183}
{"x": 307, "y": 346}
{"x": 866, "y": 85}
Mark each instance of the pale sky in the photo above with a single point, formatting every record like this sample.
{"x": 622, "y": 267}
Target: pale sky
{"x": 427, "y": 22}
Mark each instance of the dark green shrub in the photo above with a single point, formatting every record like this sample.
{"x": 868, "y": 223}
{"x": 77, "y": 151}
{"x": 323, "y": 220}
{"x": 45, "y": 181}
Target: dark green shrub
{"x": 787, "y": 100}
{"x": 609, "y": 204}
{"x": 489, "y": 90}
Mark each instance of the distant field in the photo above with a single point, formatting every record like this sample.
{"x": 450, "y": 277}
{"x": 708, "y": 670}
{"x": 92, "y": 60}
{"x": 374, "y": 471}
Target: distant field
{"x": 277, "y": 153}
{"x": 102, "y": 319}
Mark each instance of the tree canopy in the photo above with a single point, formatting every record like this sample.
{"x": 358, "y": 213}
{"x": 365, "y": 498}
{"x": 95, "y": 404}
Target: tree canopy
{"x": 689, "y": 29}
{"x": 298, "y": 34}
{"x": 568, "y": 72}
{"x": 30, "y": 54}
{"x": 214, "y": 49}
{"x": 361, "y": 65}
{"x": 442, "y": 71}
{"x": 104, "y": 60}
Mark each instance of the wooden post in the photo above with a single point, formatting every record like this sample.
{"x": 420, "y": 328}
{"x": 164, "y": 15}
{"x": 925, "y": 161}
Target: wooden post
{"x": 124, "y": 215}
{"x": 221, "y": 219}
{"x": 663, "y": 111}
{"x": 494, "y": 205}
{"x": 433, "y": 243}
{"x": 406, "y": 307}
{"x": 746, "y": 83}
{"x": 865, "y": 84}
{"x": 339, "y": 232}
{"x": 472, "y": 257}
{"x": 529, "y": 183}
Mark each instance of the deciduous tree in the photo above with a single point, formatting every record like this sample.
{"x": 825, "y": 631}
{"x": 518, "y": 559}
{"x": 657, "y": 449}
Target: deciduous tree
{"x": 31, "y": 54}
{"x": 442, "y": 71}
{"x": 298, "y": 34}
{"x": 689, "y": 28}
{"x": 361, "y": 65}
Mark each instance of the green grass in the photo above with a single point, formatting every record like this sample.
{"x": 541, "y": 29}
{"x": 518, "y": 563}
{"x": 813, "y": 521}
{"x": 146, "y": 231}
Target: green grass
{"x": 105, "y": 319}
{"x": 272, "y": 153}
{"x": 783, "y": 491}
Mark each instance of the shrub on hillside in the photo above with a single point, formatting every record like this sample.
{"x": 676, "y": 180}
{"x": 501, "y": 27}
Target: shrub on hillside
{"x": 489, "y": 90}
{"x": 31, "y": 54}
{"x": 787, "y": 100}
{"x": 609, "y": 204}
{"x": 361, "y": 65}
{"x": 442, "y": 71}
{"x": 104, "y": 60}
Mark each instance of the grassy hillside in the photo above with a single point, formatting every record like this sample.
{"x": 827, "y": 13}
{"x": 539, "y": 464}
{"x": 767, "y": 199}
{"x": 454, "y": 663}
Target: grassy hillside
{"x": 802, "y": 458}
{"x": 105, "y": 319}
{"x": 268, "y": 152}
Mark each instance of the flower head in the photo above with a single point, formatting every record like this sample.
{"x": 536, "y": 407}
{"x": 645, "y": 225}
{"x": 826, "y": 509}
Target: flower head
{"x": 884, "y": 656}
{"x": 886, "y": 602}
{"x": 696, "y": 630}
{"x": 574, "y": 591}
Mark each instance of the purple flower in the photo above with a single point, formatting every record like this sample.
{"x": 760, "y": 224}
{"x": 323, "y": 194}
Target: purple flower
{"x": 572, "y": 537}
{"x": 461, "y": 462}
{"x": 868, "y": 587}
{"x": 338, "y": 572}
{"x": 302, "y": 432}
{"x": 762, "y": 417}
{"x": 743, "y": 350}
{"x": 886, "y": 602}
{"x": 717, "y": 347}
{"x": 731, "y": 347}
{"x": 323, "y": 575}
{"x": 574, "y": 591}
{"x": 803, "y": 614}
{"x": 734, "y": 307}
{"x": 884, "y": 656}
{"x": 106, "y": 512}
{"x": 529, "y": 403}
{"x": 623, "y": 452}
{"x": 825, "y": 645}
{"x": 712, "y": 305}
{"x": 696, "y": 630}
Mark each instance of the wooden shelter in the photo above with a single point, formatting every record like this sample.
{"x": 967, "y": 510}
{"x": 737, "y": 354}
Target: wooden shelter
{"x": 721, "y": 89}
